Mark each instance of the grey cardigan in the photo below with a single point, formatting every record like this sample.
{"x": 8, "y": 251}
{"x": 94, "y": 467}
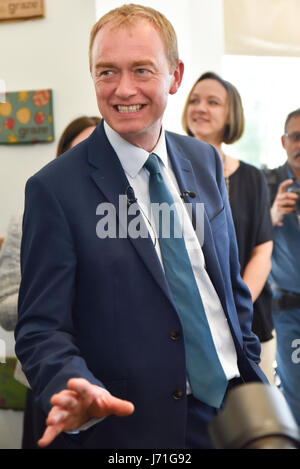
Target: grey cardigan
{"x": 10, "y": 274}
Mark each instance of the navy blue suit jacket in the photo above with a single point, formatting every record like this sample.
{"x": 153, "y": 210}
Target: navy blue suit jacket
{"x": 101, "y": 309}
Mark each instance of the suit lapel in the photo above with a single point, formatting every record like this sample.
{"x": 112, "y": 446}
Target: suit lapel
{"x": 187, "y": 180}
{"x": 108, "y": 175}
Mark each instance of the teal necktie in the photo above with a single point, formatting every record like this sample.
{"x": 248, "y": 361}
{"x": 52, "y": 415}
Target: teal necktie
{"x": 205, "y": 373}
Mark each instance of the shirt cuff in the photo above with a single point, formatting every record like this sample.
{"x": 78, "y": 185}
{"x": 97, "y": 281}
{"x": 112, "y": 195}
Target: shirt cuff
{"x": 85, "y": 426}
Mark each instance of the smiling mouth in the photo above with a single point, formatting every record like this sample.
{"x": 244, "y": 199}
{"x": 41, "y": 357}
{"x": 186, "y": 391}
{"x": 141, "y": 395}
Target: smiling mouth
{"x": 128, "y": 109}
{"x": 200, "y": 119}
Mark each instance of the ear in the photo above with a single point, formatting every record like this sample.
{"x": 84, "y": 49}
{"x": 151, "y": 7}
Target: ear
{"x": 283, "y": 141}
{"x": 176, "y": 78}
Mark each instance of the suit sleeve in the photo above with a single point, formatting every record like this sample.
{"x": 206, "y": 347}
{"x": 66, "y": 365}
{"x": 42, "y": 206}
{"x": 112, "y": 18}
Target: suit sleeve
{"x": 45, "y": 335}
{"x": 241, "y": 294}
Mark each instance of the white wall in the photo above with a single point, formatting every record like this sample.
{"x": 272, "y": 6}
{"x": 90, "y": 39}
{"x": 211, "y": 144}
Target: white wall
{"x": 47, "y": 53}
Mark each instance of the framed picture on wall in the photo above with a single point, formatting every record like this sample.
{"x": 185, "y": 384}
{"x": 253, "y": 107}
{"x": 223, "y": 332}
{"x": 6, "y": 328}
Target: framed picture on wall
{"x": 20, "y": 10}
{"x": 27, "y": 117}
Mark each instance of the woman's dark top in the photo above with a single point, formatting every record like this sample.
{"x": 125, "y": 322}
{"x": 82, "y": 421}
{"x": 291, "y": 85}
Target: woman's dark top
{"x": 250, "y": 206}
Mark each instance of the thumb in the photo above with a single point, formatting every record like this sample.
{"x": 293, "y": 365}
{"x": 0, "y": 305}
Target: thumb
{"x": 109, "y": 404}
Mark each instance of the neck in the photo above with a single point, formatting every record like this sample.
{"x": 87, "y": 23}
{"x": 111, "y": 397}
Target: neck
{"x": 224, "y": 157}
{"x": 225, "y": 161}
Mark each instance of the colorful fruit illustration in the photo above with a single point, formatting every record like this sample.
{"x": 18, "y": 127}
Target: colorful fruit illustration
{"x": 23, "y": 115}
{"x": 41, "y": 97}
{"x": 26, "y": 117}
{"x": 12, "y": 138}
{"x": 5, "y": 109}
{"x": 9, "y": 123}
{"x": 23, "y": 96}
{"x": 39, "y": 117}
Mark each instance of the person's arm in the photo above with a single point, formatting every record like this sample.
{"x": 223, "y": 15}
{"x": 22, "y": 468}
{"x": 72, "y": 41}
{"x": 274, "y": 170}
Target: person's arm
{"x": 258, "y": 268}
{"x": 283, "y": 204}
{"x": 10, "y": 275}
{"x": 45, "y": 333}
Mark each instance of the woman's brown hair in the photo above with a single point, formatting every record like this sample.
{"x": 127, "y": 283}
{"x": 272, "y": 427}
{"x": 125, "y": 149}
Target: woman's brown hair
{"x": 236, "y": 121}
{"x": 73, "y": 129}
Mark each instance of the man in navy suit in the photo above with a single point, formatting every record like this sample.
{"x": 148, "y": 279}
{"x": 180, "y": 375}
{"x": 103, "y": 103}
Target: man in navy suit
{"x": 99, "y": 334}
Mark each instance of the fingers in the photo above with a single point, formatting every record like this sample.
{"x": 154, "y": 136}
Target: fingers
{"x": 77, "y": 404}
{"x": 50, "y": 434}
{"x": 284, "y": 203}
{"x": 284, "y": 185}
{"x": 286, "y": 200}
{"x": 114, "y": 405}
{"x": 80, "y": 386}
{"x": 102, "y": 402}
{"x": 67, "y": 399}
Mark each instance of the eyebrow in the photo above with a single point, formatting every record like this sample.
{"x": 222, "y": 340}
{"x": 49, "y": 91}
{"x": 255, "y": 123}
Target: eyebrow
{"x": 138, "y": 63}
{"x": 214, "y": 96}
{"x": 104, "y": 65}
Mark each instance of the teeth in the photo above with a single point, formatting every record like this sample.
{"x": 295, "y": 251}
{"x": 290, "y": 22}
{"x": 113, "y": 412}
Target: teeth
{"x": 133, "y": 108}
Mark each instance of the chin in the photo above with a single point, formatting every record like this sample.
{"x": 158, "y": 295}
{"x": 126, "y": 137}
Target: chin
{"x": 203, "y": 137}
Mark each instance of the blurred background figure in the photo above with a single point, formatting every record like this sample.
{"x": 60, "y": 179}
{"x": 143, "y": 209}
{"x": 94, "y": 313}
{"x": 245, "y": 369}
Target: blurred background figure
{"x": 10, "y": 276}
{"x": 284, "y": 186}
{"x": 77, "y": 131}
{"x": 213, "y": 113}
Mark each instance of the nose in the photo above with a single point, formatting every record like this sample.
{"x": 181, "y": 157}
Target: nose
{"x": 201, "y": 106}
{"x": 125, "y": 87}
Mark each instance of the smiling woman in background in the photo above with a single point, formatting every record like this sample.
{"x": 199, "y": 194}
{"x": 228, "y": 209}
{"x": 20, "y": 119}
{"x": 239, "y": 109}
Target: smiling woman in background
{"x": 214, "y": 114}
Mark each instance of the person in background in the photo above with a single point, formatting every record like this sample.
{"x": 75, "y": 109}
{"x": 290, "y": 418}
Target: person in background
{"x": 284, "y": 186}
{"x": 77, "y": 131}
{"x": 114, "y": 336}
{"x": 213, "y": 113}
{"x": 10, "y": 277}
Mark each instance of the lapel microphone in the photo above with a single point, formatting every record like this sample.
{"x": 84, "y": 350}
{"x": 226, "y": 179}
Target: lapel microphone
{"x": 186, "y": 194}
{"x": 131, "y": 198}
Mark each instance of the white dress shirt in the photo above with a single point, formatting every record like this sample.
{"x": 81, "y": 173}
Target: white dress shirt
{"x": 132, "y": 159}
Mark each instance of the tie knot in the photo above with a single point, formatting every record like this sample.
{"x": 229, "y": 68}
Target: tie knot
{"x": 152, "y": 164}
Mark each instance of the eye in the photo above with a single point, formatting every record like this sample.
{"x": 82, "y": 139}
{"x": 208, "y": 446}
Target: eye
{"x": 194, "y": 101}
{"x": 106, "y": 73}
{"x": 143, "y": 72}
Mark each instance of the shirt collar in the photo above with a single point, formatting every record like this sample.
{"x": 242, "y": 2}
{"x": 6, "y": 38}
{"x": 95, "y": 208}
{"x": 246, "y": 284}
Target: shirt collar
{"x": 291, "y": 175}
{"x": 133, "y": 158}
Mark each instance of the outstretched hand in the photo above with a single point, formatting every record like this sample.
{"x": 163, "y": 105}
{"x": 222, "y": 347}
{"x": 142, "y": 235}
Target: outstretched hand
{"x": 79, "y": 403}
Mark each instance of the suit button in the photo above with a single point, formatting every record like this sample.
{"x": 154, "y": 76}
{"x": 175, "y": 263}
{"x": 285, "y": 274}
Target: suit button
{"x": 174, "y": 334}
{"x": 177, "y": 395}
